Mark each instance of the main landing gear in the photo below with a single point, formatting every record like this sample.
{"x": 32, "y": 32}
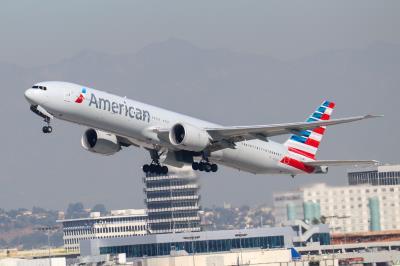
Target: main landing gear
{"x": 204, "y": 166}
{"x": 155, "y": 167}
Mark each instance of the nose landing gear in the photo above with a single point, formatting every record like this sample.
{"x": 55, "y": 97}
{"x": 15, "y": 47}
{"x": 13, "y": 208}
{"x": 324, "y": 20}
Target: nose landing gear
{"x": 45, "y": 115}
{"x": 47, "y": 129}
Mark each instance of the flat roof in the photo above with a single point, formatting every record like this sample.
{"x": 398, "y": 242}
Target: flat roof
{"x": 379, "y": 168}
{"x": 101, "y": 218}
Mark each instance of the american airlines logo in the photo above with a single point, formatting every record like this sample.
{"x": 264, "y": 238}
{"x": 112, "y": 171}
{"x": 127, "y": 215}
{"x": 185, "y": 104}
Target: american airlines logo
{"x": 81, "y": 96}
{"x": 119, "y": 108}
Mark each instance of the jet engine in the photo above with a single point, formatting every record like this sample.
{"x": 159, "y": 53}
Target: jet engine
{"x": 188, "y": 137}
{"x": 101, "y": 142}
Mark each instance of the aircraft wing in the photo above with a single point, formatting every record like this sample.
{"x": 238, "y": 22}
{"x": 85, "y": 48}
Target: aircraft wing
{"x": 239, "y": 133}
{"x": 341, "y": 162}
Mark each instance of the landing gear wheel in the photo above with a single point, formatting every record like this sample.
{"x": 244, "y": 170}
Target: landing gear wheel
{"x": 164, "y": 170}
{"x": 201, "y": 167}
{"x": 195, "y": 166}
{"x": 47, "y": 129}
{"x": 155, "y": 169}
{"x": 152, "y": 168}
{"x": 205, "y": 166}
{"x": 146, "y": 168}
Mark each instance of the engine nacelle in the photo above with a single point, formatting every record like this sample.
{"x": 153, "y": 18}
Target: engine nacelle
{"x": 188, "y": 137}
{"x": 101, "y": 142}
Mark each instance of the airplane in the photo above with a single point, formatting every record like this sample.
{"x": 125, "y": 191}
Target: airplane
{"x": 178, "y": 140}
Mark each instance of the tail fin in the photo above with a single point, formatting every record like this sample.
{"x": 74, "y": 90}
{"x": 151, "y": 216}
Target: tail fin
{"x": 306, "y": 143}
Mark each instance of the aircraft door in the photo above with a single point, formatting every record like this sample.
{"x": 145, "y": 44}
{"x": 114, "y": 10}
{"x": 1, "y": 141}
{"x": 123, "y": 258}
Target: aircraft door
{"x": 68, "y": 95}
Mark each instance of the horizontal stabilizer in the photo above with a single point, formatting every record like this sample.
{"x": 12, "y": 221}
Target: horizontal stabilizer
{"x": 341, "y": 162}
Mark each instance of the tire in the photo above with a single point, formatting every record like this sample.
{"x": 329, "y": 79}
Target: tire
{"x": 45, "y": 129}
{"x": 164, "y": 170}
{"x": 146, "y": 168}
{"x": 195, "y": 166}
{"x": 158, "y": 169}
{"x": 49, "y": 129}
{"x": 153, "y": 168}
{"x": 214, "y": 168}
{"x": 207, "y": 167}
{"x": 201, "y": 167}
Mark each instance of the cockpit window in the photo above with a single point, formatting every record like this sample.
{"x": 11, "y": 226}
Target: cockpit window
{"x": 39, "y": 87}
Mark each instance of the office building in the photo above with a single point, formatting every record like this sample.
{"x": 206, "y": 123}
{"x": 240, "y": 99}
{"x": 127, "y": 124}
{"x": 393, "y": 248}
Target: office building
{"x": 172, "y": 202}
{"x": 358, "y": 208}
{"x": 380, "y": 175}
{"x": 208, "y": 241}
{"x": 120, "y": 223}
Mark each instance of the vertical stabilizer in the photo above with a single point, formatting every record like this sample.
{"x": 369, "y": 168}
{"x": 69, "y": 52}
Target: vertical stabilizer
{"x": 306, "y": 143}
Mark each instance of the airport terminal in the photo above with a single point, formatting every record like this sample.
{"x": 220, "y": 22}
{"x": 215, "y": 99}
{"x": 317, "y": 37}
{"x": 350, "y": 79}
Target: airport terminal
{"x": 309, "y": 230}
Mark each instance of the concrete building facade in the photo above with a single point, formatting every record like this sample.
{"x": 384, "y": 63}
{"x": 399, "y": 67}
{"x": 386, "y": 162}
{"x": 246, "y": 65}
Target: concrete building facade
{"x": 207, "y": 241}
{"x": 370, "y": 202}
{"x": 380, "y": 175}
{"x": 121, "y": 223}
{"x": 172, "y": 202}
{"x": 358, "y": 208}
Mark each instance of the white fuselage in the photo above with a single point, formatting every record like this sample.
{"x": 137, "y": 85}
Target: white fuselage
{"x": 135, "y": 121}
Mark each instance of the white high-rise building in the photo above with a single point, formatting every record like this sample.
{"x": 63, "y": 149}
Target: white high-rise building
{"x": 371, "y": 201}
{"x": 121, "y": 223}
{"x": 346, "y": 209}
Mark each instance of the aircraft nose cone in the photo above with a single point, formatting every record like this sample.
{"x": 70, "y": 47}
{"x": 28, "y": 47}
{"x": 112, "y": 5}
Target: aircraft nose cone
{"x": 29, "y": 95}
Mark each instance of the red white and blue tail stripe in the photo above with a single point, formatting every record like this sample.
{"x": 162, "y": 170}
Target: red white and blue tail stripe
{"x": 306, "y": 143}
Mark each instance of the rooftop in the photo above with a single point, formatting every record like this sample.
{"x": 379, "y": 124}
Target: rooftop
{"x": 113, "y": 214}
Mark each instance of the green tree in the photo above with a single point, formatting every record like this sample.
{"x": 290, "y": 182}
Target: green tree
{"x": 76, "y": 210}
{"x": 99, "y": 208}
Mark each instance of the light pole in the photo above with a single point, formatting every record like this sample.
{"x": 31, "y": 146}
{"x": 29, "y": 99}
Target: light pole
{"x": 48, "y": 230}
{"x": 240, "y": 235}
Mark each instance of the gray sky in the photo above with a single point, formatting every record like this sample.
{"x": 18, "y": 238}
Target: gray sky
{"x": 263, "y": 61}
{"x": 42, "y": 32}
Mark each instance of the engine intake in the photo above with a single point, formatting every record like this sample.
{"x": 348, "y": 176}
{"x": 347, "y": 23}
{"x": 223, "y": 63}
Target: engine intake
{"x": 188, "y": 137}
{"x": 101, "y": 142}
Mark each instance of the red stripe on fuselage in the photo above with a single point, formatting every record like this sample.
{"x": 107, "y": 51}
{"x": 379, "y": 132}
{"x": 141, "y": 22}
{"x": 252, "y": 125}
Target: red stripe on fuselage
{"x": 297, "y": 164}
{"x": 304, "y": 153}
